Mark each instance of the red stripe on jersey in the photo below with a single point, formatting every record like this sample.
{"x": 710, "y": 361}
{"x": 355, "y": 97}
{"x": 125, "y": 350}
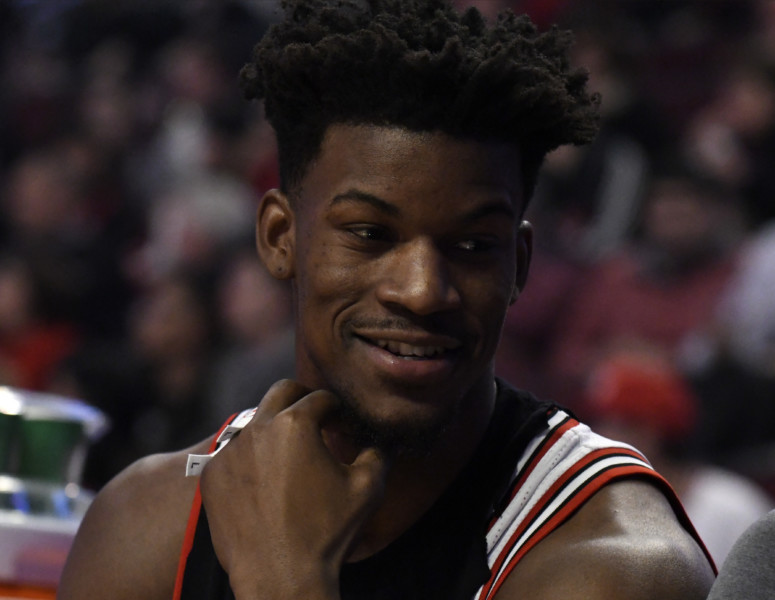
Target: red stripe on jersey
{"x": 563, "y": 514}
{"x": 550, "y": 441}
{"x": 546, "y": 499}
{"x": 193, "y": 519}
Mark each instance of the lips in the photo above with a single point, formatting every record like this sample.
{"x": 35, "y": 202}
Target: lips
{"x": 406, "y": 356}
{"x": 407, "y": 350}
{"x": 401, "y": 353}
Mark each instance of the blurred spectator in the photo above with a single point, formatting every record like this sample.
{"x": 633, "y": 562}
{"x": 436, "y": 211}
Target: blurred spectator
{"x": 662, "y": 289}
{"x": 34, "y": 99}
{"x": 533, "y": 324}
{"x": 737, "y": 421}
{"x": 194, "y": 81}
{"x": 152, "y": 385}
{"x": 737, "y": 381}
{"x": 244, "y": 145}
{"x": 43, "y": 212}
{"x": 734, "y": 136}
{"x": 641, "y": 399}
{"x": 747, "y": 314}
{"x": 588, "y": 197}
{"x": 31, "y": 346}
{"x": 255, "y": 314}
{"x": 171, "y": 334}
{"x": 63, "y": 215}
{"x": 586, "y": 204}
{"x": 684, "y": 48}
{"x": 763, "y": 35}
{"x": 194, "y": 224}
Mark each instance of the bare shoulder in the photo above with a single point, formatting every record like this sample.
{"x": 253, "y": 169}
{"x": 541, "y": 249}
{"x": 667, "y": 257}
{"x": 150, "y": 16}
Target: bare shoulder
{"x": 130, "y": 539}
{"x": 625, "y": 542}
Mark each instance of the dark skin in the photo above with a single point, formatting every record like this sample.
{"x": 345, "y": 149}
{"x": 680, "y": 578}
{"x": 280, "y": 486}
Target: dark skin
{"x": 405, "y": 251}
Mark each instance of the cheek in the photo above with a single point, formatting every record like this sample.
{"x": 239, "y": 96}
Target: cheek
{"x": 326, "y": 284}
{"x": 489, "y": 302}
{"x": 490, "y": 286}
{"x": 486, "y": 298}
{"x": 494, "y": 299}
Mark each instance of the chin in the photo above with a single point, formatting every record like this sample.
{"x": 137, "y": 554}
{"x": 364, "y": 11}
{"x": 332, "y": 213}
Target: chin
{"x": 411, "y": 434}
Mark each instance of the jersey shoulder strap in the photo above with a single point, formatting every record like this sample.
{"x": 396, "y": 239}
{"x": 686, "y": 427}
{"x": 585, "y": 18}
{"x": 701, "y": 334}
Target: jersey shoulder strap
{"x": 197, "y": 565}
{"x": 560, "y": 470}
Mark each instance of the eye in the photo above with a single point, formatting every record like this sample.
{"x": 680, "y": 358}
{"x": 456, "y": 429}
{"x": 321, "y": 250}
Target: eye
{"x": 475, "y": 245}
{"x": 370, "y": 233}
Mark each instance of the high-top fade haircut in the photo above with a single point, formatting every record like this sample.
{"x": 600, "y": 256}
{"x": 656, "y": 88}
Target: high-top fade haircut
{"x": 420, "y": 65}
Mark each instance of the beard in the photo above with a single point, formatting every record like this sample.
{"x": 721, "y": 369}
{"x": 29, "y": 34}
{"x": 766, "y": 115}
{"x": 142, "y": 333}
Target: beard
{"x": 395, "y": 439}
{"x": 407, "y": 438}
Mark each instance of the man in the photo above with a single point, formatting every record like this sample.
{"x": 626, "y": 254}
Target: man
{"x": 396, "y": 466}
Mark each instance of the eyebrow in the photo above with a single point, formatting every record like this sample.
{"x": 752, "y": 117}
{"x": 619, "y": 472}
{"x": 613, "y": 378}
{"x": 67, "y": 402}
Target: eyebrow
{"x": 491, "y": 208}
{"x": 370, "y": 199}
{"x": 480, "y": 212}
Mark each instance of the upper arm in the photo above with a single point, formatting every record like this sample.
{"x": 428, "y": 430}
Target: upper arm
{"x": 129, "y": 541}
{"x": 625, "y": 543}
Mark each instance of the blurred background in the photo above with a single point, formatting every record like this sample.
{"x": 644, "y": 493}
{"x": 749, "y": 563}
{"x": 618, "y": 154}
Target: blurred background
{"x": 130, "y": 170}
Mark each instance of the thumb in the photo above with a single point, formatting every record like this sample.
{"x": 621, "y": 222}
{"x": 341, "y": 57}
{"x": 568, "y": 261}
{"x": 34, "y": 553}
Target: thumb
{"x": 368, "y": 474}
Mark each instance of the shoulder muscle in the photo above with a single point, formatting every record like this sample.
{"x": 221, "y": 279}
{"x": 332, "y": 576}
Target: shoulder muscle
{"x": 625, "y": 542}
{"x": 130, "y": 539}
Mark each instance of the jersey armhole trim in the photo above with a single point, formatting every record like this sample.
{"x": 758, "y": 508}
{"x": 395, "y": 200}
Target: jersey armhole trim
{"x": 505, "y": 564}
{"x": 193, "y": 519}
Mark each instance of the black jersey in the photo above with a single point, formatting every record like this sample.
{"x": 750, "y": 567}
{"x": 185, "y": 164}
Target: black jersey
{"x": 534, "y": 468}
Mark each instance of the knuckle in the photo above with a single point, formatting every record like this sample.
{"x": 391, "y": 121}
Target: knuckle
{"x": 287, "y": 386}
{"x": 322, "y": 400}
{"x": 289, "y": 420}
{"x": 365, "y": 485}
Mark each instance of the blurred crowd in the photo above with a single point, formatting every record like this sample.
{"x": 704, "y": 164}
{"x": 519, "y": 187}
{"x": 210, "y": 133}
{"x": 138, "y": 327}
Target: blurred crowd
{"x": 130, "y": 169}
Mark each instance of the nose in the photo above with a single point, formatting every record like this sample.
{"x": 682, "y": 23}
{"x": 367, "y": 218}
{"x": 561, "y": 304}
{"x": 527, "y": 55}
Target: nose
{"x": 417, "y": 278}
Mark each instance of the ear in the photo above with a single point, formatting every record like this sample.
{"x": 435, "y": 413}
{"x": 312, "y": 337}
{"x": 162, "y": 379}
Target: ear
{"x": 524, "y": 254}
{"x": 276, "y": 234}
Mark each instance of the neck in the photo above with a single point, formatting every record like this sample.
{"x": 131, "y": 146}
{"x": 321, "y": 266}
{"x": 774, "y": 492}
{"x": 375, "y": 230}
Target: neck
{"x": 414, "y": 484}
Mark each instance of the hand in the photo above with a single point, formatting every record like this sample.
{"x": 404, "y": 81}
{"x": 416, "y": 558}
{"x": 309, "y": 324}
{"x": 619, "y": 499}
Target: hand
{"x": 283, "y": 511}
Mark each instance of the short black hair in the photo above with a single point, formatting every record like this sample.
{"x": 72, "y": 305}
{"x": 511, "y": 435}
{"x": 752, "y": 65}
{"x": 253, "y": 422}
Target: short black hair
{"x": 421, "y": 65}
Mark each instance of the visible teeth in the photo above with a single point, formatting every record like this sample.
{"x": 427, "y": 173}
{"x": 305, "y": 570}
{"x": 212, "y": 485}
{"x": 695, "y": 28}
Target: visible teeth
{"x": 403, "y": 349}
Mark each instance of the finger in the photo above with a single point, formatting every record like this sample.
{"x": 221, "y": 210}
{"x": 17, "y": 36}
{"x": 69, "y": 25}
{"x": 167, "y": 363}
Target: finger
{"x": 368, "y": 473}
{"x": 316, "y": 406}
{"x": 372, "y": 462}
{"x": 281, "y": 395}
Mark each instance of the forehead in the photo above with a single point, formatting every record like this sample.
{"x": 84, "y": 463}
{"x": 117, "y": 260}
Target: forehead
{"x": 427, "y": 165}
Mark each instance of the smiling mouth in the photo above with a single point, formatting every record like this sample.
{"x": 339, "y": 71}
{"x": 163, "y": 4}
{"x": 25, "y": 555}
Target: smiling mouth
{"x": 414, "y": 351}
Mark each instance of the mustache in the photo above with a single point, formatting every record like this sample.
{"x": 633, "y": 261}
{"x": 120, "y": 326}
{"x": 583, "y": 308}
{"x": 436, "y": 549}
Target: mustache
{"x": 433, "y": 324}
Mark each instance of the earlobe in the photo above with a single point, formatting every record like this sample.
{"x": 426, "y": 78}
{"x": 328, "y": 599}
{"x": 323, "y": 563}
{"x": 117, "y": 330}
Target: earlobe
{"x": 275, "y": 234}
{"x": 524, "y": 254}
